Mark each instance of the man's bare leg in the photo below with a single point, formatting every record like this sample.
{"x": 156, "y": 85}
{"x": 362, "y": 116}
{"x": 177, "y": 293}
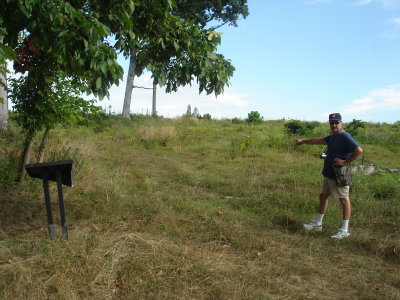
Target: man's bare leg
{"x": 323, "y": 203}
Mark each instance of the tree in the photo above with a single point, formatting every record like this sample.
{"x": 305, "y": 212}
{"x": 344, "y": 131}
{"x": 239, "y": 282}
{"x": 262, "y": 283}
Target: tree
{"x": 181, "y": 48}
{"x": 3, "y": 98}
{"x": 148, "y": 21}
{"x": 129, "y": 85}
{"x": 63, "y": 46}
{"x": 196, "y": 113}
{"x": 254, "y": 117}
{"x": 217, "y": 12}
{"x": 192, "y": 54}
{"x": 154, "y": 109}
{"x": 188, "y": 111}
{"x": 3, "y": 91}
{"x": 58, "y": 102}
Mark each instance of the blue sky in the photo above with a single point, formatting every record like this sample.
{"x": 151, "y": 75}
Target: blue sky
{"x": 299, "y": 59}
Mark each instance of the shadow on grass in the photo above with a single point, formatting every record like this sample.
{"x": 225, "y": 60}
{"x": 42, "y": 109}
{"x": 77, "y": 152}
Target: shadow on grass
{"x": 289, "y": 224}
{"x": 386, "y": 250}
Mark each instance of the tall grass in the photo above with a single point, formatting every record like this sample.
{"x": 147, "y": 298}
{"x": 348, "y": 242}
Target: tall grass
{"x": 197, "y": 209}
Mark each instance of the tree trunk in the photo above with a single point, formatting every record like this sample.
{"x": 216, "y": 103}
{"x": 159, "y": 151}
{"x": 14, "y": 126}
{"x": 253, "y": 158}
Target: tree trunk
{"x": 154, "y": 112}
{"x": 3, "y": 100}
{"x": 40, "y": 154}
{"x": 126, "y": 111}
{"x": 25, "y": 155}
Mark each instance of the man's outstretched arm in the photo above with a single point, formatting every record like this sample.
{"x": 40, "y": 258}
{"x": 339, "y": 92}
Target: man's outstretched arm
{"x": 313, "y": 141}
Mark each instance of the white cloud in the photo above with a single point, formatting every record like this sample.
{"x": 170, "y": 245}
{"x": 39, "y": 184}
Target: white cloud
{"x": 394, "y": 23}
{"x": 229, "y": 104}
{"x": 380, "y": 99}
{"x": 363, "y": 2}
{"x": 317, "y": 1}
{"x": 394, "y": 32}
{"x": 391, "y": 4}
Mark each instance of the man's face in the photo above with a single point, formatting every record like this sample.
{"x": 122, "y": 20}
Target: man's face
{"x": 336, "y": 126}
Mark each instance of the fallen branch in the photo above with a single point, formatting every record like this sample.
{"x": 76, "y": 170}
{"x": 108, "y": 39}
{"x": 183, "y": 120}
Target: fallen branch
{"x": 372, "y": 169}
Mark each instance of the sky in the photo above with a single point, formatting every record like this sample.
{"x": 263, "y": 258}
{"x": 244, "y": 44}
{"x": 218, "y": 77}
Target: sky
{"x": 297, "y": 59}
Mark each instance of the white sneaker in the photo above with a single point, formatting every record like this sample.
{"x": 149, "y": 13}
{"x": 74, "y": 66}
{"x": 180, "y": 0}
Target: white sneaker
{"x": 313, "y": 226}
{"x": 340, "y": 235}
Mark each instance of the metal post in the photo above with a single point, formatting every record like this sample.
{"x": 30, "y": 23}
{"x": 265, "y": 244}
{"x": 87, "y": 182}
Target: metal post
{"x": 61, "y": 204}
{"x": 59, "y": 171}
{"x": 50, "y": 222}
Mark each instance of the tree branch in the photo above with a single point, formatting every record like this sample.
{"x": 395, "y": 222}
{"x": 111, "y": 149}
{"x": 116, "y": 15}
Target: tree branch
{"x": 142, "y": 87}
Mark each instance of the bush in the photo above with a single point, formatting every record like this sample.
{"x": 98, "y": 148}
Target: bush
{"x": 206, "y": 117}
{"x": 99, "y": 122}
{"x": 254, "y": 117}
{"x": 9, "y": 165}
{"x": 296, "y": 127}
{"x": 353, "y": 127}
{"x": 311, "y": 125}
{"x": 237, "y": 121}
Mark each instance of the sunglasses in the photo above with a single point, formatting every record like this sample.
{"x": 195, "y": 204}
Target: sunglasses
{"x": 334, "y": 122}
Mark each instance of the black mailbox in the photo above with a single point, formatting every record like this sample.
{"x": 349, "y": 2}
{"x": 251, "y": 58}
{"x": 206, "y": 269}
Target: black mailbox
{"x": 60, "y": 172}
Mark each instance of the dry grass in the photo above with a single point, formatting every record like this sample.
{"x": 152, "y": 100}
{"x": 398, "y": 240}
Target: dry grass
{"x": 157, "y": 133}
{"x": 189, "y": 220}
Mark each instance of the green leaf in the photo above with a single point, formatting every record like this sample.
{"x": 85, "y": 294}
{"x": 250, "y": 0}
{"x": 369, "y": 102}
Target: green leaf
{"x": 176, "y": 46}
{"x": 25, "y": 11}
{"x": 98, "y": 83}
{"x": 103, "y": 67}
{"x": 107, "y": 30}
{"x": 212, "y": 56}
{"x": 7, "y": 53}
{"x": 61, "y": 18}
{"x": 92, "y": 33}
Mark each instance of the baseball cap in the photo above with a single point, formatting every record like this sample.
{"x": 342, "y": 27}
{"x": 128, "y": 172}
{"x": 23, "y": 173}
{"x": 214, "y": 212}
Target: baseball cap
{"x": 335, "y": 117}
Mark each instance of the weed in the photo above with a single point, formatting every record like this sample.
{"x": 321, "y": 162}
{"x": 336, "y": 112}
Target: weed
{"x": 152, "y": 136}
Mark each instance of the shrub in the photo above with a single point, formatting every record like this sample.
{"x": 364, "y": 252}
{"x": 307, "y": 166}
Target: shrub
{"x": 67, "y": 152}
{"x": 295, "y": 127}
{"x": 99, "y": 122}
{"x": 9, "y": 164}
{"x": 206, "y": 117}
{"x": 254, "y": 117}
{"x": 312, "y": 125}
{"x": 353, "y": 127}
{"x": 237, "y": 121}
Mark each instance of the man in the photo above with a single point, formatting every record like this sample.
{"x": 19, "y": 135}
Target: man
{"x": 342, "y": 150}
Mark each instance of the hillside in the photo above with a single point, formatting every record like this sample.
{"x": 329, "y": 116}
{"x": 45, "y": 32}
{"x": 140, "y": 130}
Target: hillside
{"x": 197, "y": 209}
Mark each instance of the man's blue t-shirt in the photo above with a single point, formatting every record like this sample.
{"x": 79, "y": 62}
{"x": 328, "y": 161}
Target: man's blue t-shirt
{"x": 340, "y": 146}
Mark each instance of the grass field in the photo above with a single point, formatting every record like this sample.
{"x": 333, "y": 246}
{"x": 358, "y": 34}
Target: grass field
{"x": 196, "y": 209}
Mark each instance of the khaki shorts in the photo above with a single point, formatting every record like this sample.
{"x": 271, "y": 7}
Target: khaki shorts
{"x": 329, "y": 187}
